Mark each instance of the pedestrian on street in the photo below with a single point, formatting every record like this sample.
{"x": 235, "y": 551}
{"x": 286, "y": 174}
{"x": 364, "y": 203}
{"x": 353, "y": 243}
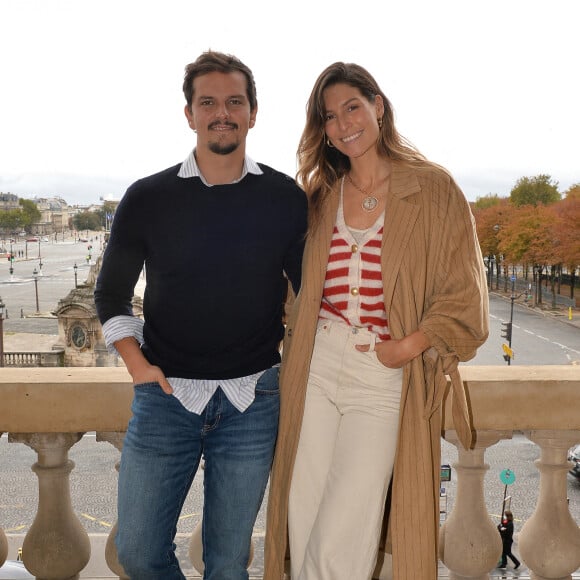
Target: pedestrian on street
{"x": 219, "y": 236}
{"x": 506, "y": 530}
{"x": 393, "y": 296}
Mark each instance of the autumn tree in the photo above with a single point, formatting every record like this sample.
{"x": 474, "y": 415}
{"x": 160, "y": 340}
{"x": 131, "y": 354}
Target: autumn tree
{"x": 568, "y": 211}
{"x": 534, "y": 191}
{"x": 573, "y": 192}
{"x": 531, "y": 237}
{"x": 488, "y": 221}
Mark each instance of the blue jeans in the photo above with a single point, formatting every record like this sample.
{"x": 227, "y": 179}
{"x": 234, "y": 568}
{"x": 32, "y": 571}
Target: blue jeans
{"x": 161, "y": 454}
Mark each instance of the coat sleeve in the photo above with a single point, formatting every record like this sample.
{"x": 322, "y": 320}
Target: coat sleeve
{"x": 456, "y": 315}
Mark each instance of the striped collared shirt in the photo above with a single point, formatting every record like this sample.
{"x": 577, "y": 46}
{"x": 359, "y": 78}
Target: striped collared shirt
{"x": 194, "y": 394}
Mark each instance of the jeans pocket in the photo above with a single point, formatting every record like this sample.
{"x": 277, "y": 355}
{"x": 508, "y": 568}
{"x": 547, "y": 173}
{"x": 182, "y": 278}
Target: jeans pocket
{"x": 148, "y": 385}
{"x": 268, "y": 383}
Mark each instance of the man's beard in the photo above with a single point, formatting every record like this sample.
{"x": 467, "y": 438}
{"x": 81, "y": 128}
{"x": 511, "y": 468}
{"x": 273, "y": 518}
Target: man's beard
{"x": 217, "y": 147}
{"x": 220, "y": 149}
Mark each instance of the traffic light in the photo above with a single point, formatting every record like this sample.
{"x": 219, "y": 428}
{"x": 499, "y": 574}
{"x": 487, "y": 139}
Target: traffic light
{"x": 506, "y": 331}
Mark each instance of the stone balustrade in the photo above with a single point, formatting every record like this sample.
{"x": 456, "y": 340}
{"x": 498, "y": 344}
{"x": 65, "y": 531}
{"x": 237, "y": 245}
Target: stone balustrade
{"x": 52, "y": 358}
{"x": 49, "y": 409}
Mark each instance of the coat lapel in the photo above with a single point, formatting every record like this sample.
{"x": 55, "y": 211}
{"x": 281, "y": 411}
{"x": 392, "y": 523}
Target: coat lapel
{"x": 400, "y": 217}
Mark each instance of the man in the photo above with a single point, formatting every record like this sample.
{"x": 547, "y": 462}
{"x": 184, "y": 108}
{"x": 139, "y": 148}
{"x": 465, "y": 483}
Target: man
{"x": 219, "y": 237}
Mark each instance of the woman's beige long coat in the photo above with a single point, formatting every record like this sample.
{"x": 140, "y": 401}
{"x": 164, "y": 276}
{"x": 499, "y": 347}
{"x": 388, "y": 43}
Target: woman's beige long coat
{"x": 433, "y": 279}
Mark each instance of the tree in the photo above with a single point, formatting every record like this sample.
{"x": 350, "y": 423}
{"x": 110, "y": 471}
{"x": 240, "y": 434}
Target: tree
{"x": 489, "y": 222}
{"x": 534, "y": 191}
{"x": 573, "y": 192}
{"x": 568, "y": 211}
{"x": 30, "y": 213}
{"x": 106, "y": 214}
{"x": 11, "y": 220}
{"x": 87, "y": 220}
{"x": 532, "y": 236}
{"x": 487, "y": 201}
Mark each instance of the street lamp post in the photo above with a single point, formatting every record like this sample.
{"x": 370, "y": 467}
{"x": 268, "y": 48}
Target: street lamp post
{"x": 40, "y": 266}
{"x": 76, "y": 268}
{"x": 35, "y": 276}
{"x": 11, "y": 262}
{"x": 489, "y": 262}
{"x": 1, "y": 332}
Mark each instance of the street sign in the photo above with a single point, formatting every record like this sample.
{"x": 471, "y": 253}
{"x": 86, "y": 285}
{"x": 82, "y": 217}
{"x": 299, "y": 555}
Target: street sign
{"x": 507, "y": 477}
{"x": 513, "y": 278}
{"x": 507, "y": 350}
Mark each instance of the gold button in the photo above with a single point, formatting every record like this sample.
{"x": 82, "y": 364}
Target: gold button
{"x": 354, "y": 291}
{"x": 354, "y": 248}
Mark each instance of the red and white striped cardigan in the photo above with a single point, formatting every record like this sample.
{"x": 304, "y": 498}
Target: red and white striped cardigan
{"x": 353, "y": 288}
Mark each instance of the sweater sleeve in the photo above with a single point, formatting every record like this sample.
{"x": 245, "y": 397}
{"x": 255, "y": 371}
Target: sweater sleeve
{"x": 123, "y": 260}
{"x": 293, "y": 258}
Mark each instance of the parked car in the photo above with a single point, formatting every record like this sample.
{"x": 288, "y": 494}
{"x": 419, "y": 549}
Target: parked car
{"x": 574, "y": 458}
{"x": 14, "y": 570}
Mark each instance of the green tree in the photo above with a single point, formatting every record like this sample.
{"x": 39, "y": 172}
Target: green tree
{"x": 30, "y": 213}
{"x": 11, "y": 220}
{"x": 489, "y": 200}
{"x": 534, "y": 191}
{"x": 87, "y": 220}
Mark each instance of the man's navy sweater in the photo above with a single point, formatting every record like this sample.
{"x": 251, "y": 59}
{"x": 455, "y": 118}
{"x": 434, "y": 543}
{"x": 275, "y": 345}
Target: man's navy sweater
{"x": 216, "y": 261}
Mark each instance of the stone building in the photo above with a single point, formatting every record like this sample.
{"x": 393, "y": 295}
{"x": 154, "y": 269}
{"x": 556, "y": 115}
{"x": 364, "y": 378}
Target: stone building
{"x": 79, "y": 329}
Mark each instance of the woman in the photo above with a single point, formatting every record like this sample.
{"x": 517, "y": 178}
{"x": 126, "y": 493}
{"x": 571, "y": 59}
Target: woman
{"x": 506, "y": 530}
{"x": 393, "y": 296}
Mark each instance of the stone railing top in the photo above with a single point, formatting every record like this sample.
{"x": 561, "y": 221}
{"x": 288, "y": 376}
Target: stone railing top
{"x": 75, "y": 399}
{"x": 64, "y": 399}
{"x": 520, "y": 398}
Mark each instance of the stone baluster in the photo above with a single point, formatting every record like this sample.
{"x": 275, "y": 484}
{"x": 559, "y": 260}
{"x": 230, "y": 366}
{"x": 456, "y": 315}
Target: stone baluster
{"x": 56, "y": 545}
{"x": 3, "y": 547}
{"x": 469, "y": 543}
{"x": 549, "y": 541}
{"x": 3, "y": 541}
{"x": 116, "y": 439}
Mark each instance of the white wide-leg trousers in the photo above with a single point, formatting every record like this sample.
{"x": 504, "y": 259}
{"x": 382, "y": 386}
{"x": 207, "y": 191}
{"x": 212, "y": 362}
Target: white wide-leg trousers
{"x": 345, "y": 458}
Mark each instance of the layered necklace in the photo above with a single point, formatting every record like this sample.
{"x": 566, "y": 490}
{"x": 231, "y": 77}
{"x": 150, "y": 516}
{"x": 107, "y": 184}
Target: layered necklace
{"x": 370, "y": 201}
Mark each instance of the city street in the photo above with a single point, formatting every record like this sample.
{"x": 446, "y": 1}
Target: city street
{"x": 54, "y": 263}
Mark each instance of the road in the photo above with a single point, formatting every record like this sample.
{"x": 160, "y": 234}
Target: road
{"x": 537, "y": 338}
{"x": 55, "y": 279}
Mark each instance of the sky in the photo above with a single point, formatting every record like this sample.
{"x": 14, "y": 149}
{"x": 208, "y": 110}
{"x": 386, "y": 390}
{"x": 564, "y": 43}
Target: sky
{"x": 91, "y": 97}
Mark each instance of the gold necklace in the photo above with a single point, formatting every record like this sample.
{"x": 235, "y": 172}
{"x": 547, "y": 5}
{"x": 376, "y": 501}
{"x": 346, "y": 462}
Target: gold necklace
{"x": 370, "y": 202}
